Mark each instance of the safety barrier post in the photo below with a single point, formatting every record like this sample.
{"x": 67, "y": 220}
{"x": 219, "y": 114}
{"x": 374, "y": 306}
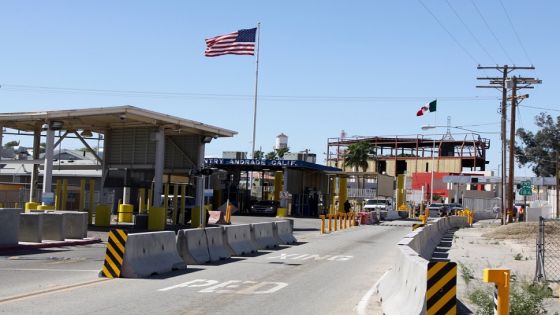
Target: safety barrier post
{"x": 149, "y": 199}
{"x": 175, "y": 204}
{"x": 322, "y": 223}
{"x": 500, "y": 278}
{"x": 340, "y": 221}
{"x": 183, "y": 205}
{"x": 141, "y": 200}
{"x": 335, "y": 221}
{"x": 423, "y": 219}
{"x": 330, "y": 222}
{"x": 64, "y": 204}
{"x": 57, "y": 198}
{"x": 82, "y": 205}
{"x": 352, "y": 222}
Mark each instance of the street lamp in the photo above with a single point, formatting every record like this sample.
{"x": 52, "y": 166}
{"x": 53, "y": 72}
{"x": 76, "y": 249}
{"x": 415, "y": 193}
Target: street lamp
{"x": 427, "y": 127}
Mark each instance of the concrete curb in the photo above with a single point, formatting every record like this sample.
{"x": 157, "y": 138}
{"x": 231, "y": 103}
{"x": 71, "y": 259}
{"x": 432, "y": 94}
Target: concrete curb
{"x": 51, "y": 244}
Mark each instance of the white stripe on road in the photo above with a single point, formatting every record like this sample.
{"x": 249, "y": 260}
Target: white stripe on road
{"x": 36, "y": 269}
{"x": 361, "y": 308}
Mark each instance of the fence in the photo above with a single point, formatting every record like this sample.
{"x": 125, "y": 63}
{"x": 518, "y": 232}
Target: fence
{"x": 548, "y": 250}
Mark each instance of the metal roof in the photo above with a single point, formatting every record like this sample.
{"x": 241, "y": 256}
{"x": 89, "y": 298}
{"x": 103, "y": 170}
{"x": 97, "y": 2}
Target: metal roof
{"x": 262, "y": 165}
{"x": 102, "y": 118}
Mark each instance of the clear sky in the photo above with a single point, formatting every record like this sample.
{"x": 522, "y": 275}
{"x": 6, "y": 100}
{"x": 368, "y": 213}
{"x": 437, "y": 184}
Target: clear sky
{"x": 365, "y": 67}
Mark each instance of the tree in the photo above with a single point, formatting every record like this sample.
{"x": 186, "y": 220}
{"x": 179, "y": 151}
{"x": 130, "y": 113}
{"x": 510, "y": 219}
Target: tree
{"x": 357, "y": 155}
{"x": 540, "y": 149}
{"x": 280, "y": 152}
{"x": 11, "y": 144}
{"x": 271, "y": 155}
{"x": 258, "y": 155}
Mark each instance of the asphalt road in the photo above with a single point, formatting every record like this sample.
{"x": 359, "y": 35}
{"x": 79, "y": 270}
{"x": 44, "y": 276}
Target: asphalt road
{"x": 324, "y": 274}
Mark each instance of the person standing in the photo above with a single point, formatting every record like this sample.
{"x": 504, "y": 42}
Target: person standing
{"x": 347, "y": 206}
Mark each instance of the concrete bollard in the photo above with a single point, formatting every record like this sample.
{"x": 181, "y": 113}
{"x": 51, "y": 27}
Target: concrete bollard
{"x": 9, "y": 227}
{"x": 31, "y": 227}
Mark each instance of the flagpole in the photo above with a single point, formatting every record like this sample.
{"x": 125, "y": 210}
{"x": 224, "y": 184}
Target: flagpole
{"x": 256, "y": 91}
{"x": 433, "y": 160}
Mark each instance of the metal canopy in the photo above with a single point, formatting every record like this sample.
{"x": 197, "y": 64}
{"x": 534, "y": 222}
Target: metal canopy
{"x": 103, "y": 118}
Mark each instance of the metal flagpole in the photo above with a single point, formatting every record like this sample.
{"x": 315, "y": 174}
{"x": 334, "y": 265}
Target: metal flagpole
{"x": 433, "y": 160}
{"x": 256, "y": 90}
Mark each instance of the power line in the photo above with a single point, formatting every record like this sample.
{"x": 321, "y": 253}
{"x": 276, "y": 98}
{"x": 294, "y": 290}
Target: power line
{"x": 159, "y": 94}
{"x": 541, "y": 108}
{"x": 490, "y": 30}
{"x": 470, "y": 32}
{"x": 515, "y": 32}
{"x": 448, "y": 32}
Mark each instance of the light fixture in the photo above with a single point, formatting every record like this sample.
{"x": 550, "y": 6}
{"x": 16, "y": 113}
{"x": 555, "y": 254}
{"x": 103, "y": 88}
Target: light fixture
{"x": 207, "y": 139}
{"x": 426, "y": 127}
{"x": 86, "y": 133}
{"x": 56, "y": 125}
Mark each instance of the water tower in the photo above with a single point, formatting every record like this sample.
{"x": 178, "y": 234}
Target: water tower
{"x": 281, "y": 142}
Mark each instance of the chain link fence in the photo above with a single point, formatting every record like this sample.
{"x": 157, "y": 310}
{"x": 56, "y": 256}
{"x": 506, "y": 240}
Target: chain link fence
{"x": 548, "y": 250}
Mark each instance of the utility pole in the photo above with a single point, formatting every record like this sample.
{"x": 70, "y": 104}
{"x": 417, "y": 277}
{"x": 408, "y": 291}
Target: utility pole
{"x": 500, "y": 83}
{"x": 511, "y": 162}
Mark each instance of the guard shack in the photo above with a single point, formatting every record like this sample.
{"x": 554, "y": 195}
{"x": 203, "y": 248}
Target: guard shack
{"x": 304, "y": 188}
{"x": 147, "y": 155}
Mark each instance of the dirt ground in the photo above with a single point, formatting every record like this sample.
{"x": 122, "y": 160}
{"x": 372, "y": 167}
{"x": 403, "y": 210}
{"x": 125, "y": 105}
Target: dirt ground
{"x": 490, "y": 245}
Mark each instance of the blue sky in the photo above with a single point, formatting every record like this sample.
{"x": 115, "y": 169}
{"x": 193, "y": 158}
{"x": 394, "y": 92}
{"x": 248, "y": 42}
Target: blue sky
{"x": 325, "y": 66}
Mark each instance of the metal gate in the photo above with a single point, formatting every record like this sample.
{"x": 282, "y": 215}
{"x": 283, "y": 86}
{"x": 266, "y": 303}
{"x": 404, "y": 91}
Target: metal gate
{"x": 548, "y": 251}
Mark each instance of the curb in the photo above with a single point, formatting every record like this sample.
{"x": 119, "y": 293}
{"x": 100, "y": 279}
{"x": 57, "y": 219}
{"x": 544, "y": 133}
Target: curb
{"x": 51, "y": 244}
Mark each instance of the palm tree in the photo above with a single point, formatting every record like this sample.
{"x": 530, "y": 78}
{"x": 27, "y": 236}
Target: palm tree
{"x": 280, "y": 152}
{"x": 259, "y": 155}
{"x": 357, "y": 155}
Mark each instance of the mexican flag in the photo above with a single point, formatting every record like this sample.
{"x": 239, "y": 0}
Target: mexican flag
{"x": 431, "y": 106}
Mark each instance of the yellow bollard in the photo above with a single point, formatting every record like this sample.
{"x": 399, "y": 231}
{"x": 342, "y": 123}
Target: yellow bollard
{"x": 125, "y": 213}
{"x": 82, "y": 204}
{"x": 330, "y": 222}
{"x": 322, "y": 224}
{"x": 91, "y": 205}
{"x": 103, "y": 215}
{"x": 149, "y": 200}
{"x": 183, "y": 204}
{"x": 64, "y": 205}
{"x": 500, "y": 278}
{"x": 57, "y": 190}
{"x": 45, "y": 207}
{"x": 340, "y": 221}
{"x": 29, "y": 206}
{"x": 166, "y": 197}
{"x": 423, "y": 219}
{"x": 175, "y": 210}
{"x": 141, "y": 200}
{"x": 156, "y": 219}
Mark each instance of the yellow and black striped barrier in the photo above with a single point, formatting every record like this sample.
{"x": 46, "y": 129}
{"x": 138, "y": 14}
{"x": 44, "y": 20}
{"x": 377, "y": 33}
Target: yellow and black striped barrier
{"x": 115, "y": 254}
{"x": 417, "y": 225}
{"x": 441, "y": 290}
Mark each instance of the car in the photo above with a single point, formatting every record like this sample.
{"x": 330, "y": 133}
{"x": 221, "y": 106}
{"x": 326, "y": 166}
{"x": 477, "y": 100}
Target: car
{"x": 454, "y": 207}
{"x": 378, "y": 204}
{"x": 437, "y": 208}
{"x": 269, "y": 207}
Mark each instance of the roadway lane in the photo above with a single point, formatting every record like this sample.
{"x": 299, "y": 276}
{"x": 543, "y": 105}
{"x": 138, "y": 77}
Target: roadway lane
{"x": 327, "y": 274}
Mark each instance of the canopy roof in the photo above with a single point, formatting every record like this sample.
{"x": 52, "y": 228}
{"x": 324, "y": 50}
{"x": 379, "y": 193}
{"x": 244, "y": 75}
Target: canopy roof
{"x": 102, "y": 118}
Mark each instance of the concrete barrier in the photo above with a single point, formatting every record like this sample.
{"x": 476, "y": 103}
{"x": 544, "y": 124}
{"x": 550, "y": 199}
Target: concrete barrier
{"x": 192, "y": 246}
{"x": 238, "y": 239}
{"x": 150, "y": 253}
{"x": 262, "y": 235}
{"x": 283, "y": 232}
{"x": 31, "y": 227}
{"x": 9, "y": 227}
{"x": 402, "y": 289}
{"x": 53, "y": 226}
{"x": 75, "y": 224}
{"x": 216, "y": 244}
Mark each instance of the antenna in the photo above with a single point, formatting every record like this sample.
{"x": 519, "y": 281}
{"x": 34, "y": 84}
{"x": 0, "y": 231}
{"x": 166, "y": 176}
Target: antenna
{"x": 448, "y": 135}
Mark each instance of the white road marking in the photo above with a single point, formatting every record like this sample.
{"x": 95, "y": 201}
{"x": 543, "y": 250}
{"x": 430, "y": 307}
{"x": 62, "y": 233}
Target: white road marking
{"x": 314, "y": 257}
{"x": 231, "y": 286}
{"x": 38, "y": 269}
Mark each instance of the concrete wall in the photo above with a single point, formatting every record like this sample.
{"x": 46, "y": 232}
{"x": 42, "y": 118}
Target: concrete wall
{"x": 9, "y": 227}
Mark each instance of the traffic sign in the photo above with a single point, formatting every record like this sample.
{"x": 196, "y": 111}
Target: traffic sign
{"x": 526, "y": 188}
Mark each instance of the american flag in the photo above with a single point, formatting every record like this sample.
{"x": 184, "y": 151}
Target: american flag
{"x": 241, "y": 42}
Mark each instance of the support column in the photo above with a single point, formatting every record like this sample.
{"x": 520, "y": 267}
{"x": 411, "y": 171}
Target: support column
{"x": 200, "y": 187}
{"x": 35, "y": 171}
{"x": 159, "y": 164}
{"x": 82, "y": 205}
{"x": 342, "y": 192}
{"x": 284, "y": 201}
{"x": 277, "y": 185}
{"x": 48, "y": 165}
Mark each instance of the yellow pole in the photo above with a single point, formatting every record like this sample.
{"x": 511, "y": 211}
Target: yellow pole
{"x": 64, "y": 198}
{"x": 278, "y": 178}
{"x": 183, "y": 203}
{"x": 332, "y": 188}
{"x": 141, "y": 198}
{"x": 175, "y": 203}
{"x": 340, "y": 220}
{"x": 165, "y": 197}
{"x": 91, "y": 206}
{"x": 82, "y": 205}
{"x": 345, "y": 220}
{"x": 342, "y": 193}
{"x": 57, "y": 196}
{"x": 330, "y": 222}
{"x": 149, "y": 200}
{"x": 500, "y": 278}
{"x": 322, "y": 223}
{"x": 335, "y": 221}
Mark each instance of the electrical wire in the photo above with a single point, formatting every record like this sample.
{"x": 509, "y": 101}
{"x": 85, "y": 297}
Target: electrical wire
{"x": 515, "y": 32}
{"x": 541, "y": 108}
{"x": 449, "y": 33}
{"x": 470, "y": 32}
{"x": 157, "y": 94}
{"x": 492, "y": 32}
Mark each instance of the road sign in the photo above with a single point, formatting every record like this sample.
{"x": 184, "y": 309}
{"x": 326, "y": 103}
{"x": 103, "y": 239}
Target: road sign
{"x": 526, "y": 188}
